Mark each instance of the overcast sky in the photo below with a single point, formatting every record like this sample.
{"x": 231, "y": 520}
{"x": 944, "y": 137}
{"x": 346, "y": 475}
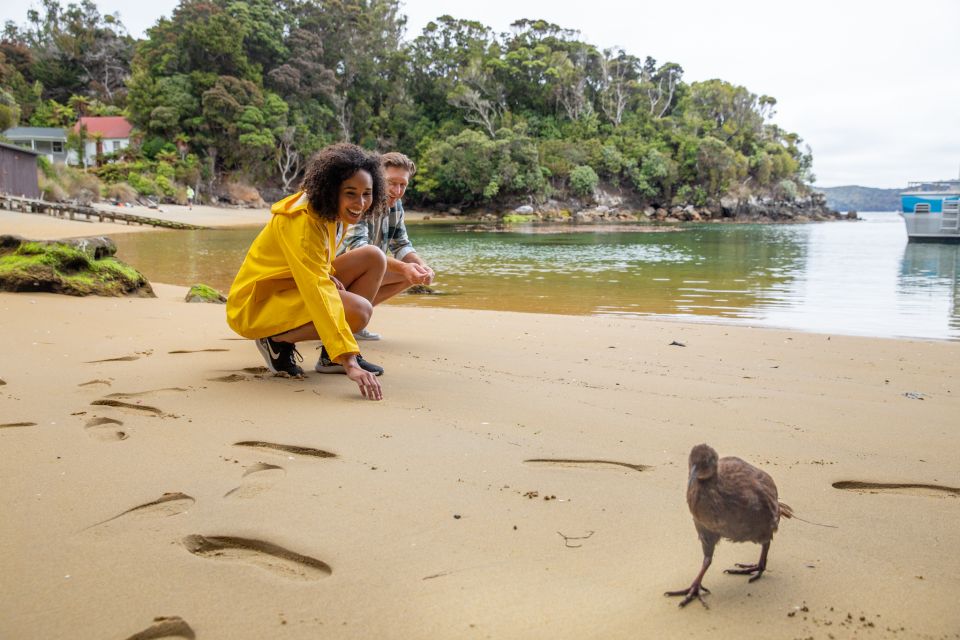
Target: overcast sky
{"x": 873, "y": 86}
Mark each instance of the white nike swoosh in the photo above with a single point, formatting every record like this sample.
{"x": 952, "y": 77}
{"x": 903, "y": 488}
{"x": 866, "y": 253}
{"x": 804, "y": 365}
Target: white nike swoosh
{"x": 273, "y": 354}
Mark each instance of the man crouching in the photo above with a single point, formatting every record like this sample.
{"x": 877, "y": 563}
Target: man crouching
{"x": 387, "y": 230}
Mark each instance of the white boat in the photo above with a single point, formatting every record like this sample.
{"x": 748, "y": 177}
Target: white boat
{"x": 931, "y": 211}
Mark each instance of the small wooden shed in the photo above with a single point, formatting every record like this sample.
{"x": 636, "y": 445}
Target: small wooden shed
{"x": 18, "y": 171}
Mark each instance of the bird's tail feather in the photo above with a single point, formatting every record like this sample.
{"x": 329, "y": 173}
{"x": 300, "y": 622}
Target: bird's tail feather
{"x": 786, "y": 511}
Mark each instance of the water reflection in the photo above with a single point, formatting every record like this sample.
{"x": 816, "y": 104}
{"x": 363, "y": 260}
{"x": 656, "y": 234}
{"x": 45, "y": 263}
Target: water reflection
{"x": 832, "y": 277}
{"x": 929, "y": 273}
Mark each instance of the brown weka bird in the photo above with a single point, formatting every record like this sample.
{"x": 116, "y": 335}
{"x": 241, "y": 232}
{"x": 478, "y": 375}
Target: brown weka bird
{"x": 732, "y": 499}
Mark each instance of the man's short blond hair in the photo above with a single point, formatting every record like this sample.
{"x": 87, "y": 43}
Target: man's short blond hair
{"x": 397, "y": 159}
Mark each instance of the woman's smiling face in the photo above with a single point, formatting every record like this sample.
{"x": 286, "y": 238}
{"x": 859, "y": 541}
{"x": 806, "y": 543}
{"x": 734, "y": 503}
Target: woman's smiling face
{"x": 356, "y": 196}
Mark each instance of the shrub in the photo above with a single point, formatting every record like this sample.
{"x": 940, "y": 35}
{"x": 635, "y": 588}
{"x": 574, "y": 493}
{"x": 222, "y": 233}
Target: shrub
{"x": 165, "y": 187}
{"x": 119, "y": 192}
{"x": 787, "y": 189}
{"x": 584, "y": 180}
{"x": 50, "y": 190}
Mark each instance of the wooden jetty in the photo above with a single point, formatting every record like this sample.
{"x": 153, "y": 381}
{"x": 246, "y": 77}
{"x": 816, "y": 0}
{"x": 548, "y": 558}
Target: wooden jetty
{"x": 84, "y": 213}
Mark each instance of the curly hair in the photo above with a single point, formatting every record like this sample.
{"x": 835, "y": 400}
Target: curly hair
{"x": 330, "y": 167}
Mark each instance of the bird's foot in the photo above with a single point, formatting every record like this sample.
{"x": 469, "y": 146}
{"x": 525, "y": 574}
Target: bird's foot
{"x": 694, "y": 591}
{"x": 746, "y": 570}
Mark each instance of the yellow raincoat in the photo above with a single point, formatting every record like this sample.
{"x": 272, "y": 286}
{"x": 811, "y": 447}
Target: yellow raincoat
{"x": 284, "y": 281}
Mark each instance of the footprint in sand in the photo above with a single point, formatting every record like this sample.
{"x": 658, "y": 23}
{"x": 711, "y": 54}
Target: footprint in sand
{"x": 570, "y": 462}
{"x": 105, "y": 429}
{"x": 149, "y": 392}
{"x": 130, "y": 358}
{"x": 166, "y": 627}
{"x": 169, "y": 504}
{"x": 233, "y": 377}
{"x": 256, "y": 480}
{"x": 90, "y": 383}
{"x": 12, "y": 425}
{"x": 139, "y": 409}
{"x": 286, "y": 448}
{"x": 265, "y": 555}
{"x": 195, "y": 350}
{"x": 256, "y": 370}
{"x": 903, "y": 488}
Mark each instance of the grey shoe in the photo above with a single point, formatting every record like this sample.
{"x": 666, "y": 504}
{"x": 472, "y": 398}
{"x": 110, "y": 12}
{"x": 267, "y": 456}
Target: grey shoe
{"x": 363, "y": 334}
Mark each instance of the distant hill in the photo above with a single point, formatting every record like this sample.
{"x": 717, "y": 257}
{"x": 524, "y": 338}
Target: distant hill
{"x": 855, "y": 198}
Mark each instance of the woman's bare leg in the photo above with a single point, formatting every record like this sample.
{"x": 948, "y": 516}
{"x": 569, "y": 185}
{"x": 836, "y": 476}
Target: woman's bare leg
{"x": 357, "y": 309}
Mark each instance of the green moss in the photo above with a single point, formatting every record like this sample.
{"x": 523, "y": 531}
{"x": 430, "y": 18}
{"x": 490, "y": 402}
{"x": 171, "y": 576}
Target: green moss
{"x": 518, "y": 218}
{"x": 62, "y": 268}
{"x": 204, "y": 293}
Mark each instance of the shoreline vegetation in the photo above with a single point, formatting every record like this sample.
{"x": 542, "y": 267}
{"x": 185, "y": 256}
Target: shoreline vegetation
{"x": 230, "y": 99}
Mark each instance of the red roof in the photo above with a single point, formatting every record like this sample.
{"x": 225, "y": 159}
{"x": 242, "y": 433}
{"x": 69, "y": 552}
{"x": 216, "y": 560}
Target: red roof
{"x": 111, "y": 127}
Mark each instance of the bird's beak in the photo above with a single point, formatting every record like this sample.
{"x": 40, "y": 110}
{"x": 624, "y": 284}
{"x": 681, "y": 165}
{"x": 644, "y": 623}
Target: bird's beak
{"x": 693, "y": 475}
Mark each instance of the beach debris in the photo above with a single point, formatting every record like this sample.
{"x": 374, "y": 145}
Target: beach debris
{"x": 677, "y": 344}
{"x": 2, "y": 382}
{"x": 914, "y": 395}
{"x": 567, "y": 539}
{"x": 730, "y": 498}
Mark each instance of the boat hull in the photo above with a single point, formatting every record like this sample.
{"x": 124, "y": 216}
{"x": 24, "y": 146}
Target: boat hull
{"x": 931, "y": 217}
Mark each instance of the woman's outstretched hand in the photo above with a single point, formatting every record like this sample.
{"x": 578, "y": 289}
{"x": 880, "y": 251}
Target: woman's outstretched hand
{"x": 368, "y": 382}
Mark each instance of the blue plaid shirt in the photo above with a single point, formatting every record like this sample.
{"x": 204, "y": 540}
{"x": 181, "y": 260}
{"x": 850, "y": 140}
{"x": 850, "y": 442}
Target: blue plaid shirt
{"x": 386, "y": 231}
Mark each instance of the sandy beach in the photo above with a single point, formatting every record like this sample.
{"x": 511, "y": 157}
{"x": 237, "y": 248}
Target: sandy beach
{"x": 524, "y": 477}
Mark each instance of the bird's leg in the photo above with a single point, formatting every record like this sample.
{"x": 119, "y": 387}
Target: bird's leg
{"x": 759, "y": 568}
{"x": 696, "y": 589}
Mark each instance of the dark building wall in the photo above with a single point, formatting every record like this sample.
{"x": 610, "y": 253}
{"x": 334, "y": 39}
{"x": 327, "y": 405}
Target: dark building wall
{"x": 18, "y": 172}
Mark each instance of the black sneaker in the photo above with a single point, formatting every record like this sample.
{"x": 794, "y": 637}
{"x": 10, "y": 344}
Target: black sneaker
{"x": 326, "y": 365}
{"x": 281, "y": 357}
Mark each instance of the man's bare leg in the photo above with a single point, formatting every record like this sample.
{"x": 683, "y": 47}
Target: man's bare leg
{"x": 392, "y": 284}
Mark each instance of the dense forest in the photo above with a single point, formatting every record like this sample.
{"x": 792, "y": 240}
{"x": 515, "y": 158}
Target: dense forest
{"x": 244, "y": 91}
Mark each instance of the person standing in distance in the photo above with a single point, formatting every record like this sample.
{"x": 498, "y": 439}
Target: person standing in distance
{"x": 405, "y": 267}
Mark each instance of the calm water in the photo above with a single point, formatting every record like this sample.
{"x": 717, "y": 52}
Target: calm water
{"x": 859, "y": 278}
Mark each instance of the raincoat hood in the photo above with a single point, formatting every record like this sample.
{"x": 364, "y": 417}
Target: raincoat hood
{"x": 297, "y": 203}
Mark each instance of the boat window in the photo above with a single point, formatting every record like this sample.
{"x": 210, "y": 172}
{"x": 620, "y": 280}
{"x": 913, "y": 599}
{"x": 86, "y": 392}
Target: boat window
{"x": 951, "y": 207}
{"x": 923, "y": 207}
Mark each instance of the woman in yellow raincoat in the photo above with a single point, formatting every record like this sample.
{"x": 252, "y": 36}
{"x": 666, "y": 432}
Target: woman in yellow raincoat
{"x": 292, "y": 286}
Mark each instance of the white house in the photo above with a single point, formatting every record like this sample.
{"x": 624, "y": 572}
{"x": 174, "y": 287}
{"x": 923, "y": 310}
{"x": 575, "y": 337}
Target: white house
{"x": 46, "y": 141}
{"x": 104, "y": 134}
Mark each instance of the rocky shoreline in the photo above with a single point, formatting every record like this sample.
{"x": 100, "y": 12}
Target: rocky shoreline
{"x": 612, "y": 209}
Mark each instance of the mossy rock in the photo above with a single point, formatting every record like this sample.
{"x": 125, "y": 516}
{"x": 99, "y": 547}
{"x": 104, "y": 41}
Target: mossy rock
{"x": 518, "y": 218}
{"x": 203, "y": 293}
{"x": 72, "y": 267}
{"x": 424, "y": 290}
